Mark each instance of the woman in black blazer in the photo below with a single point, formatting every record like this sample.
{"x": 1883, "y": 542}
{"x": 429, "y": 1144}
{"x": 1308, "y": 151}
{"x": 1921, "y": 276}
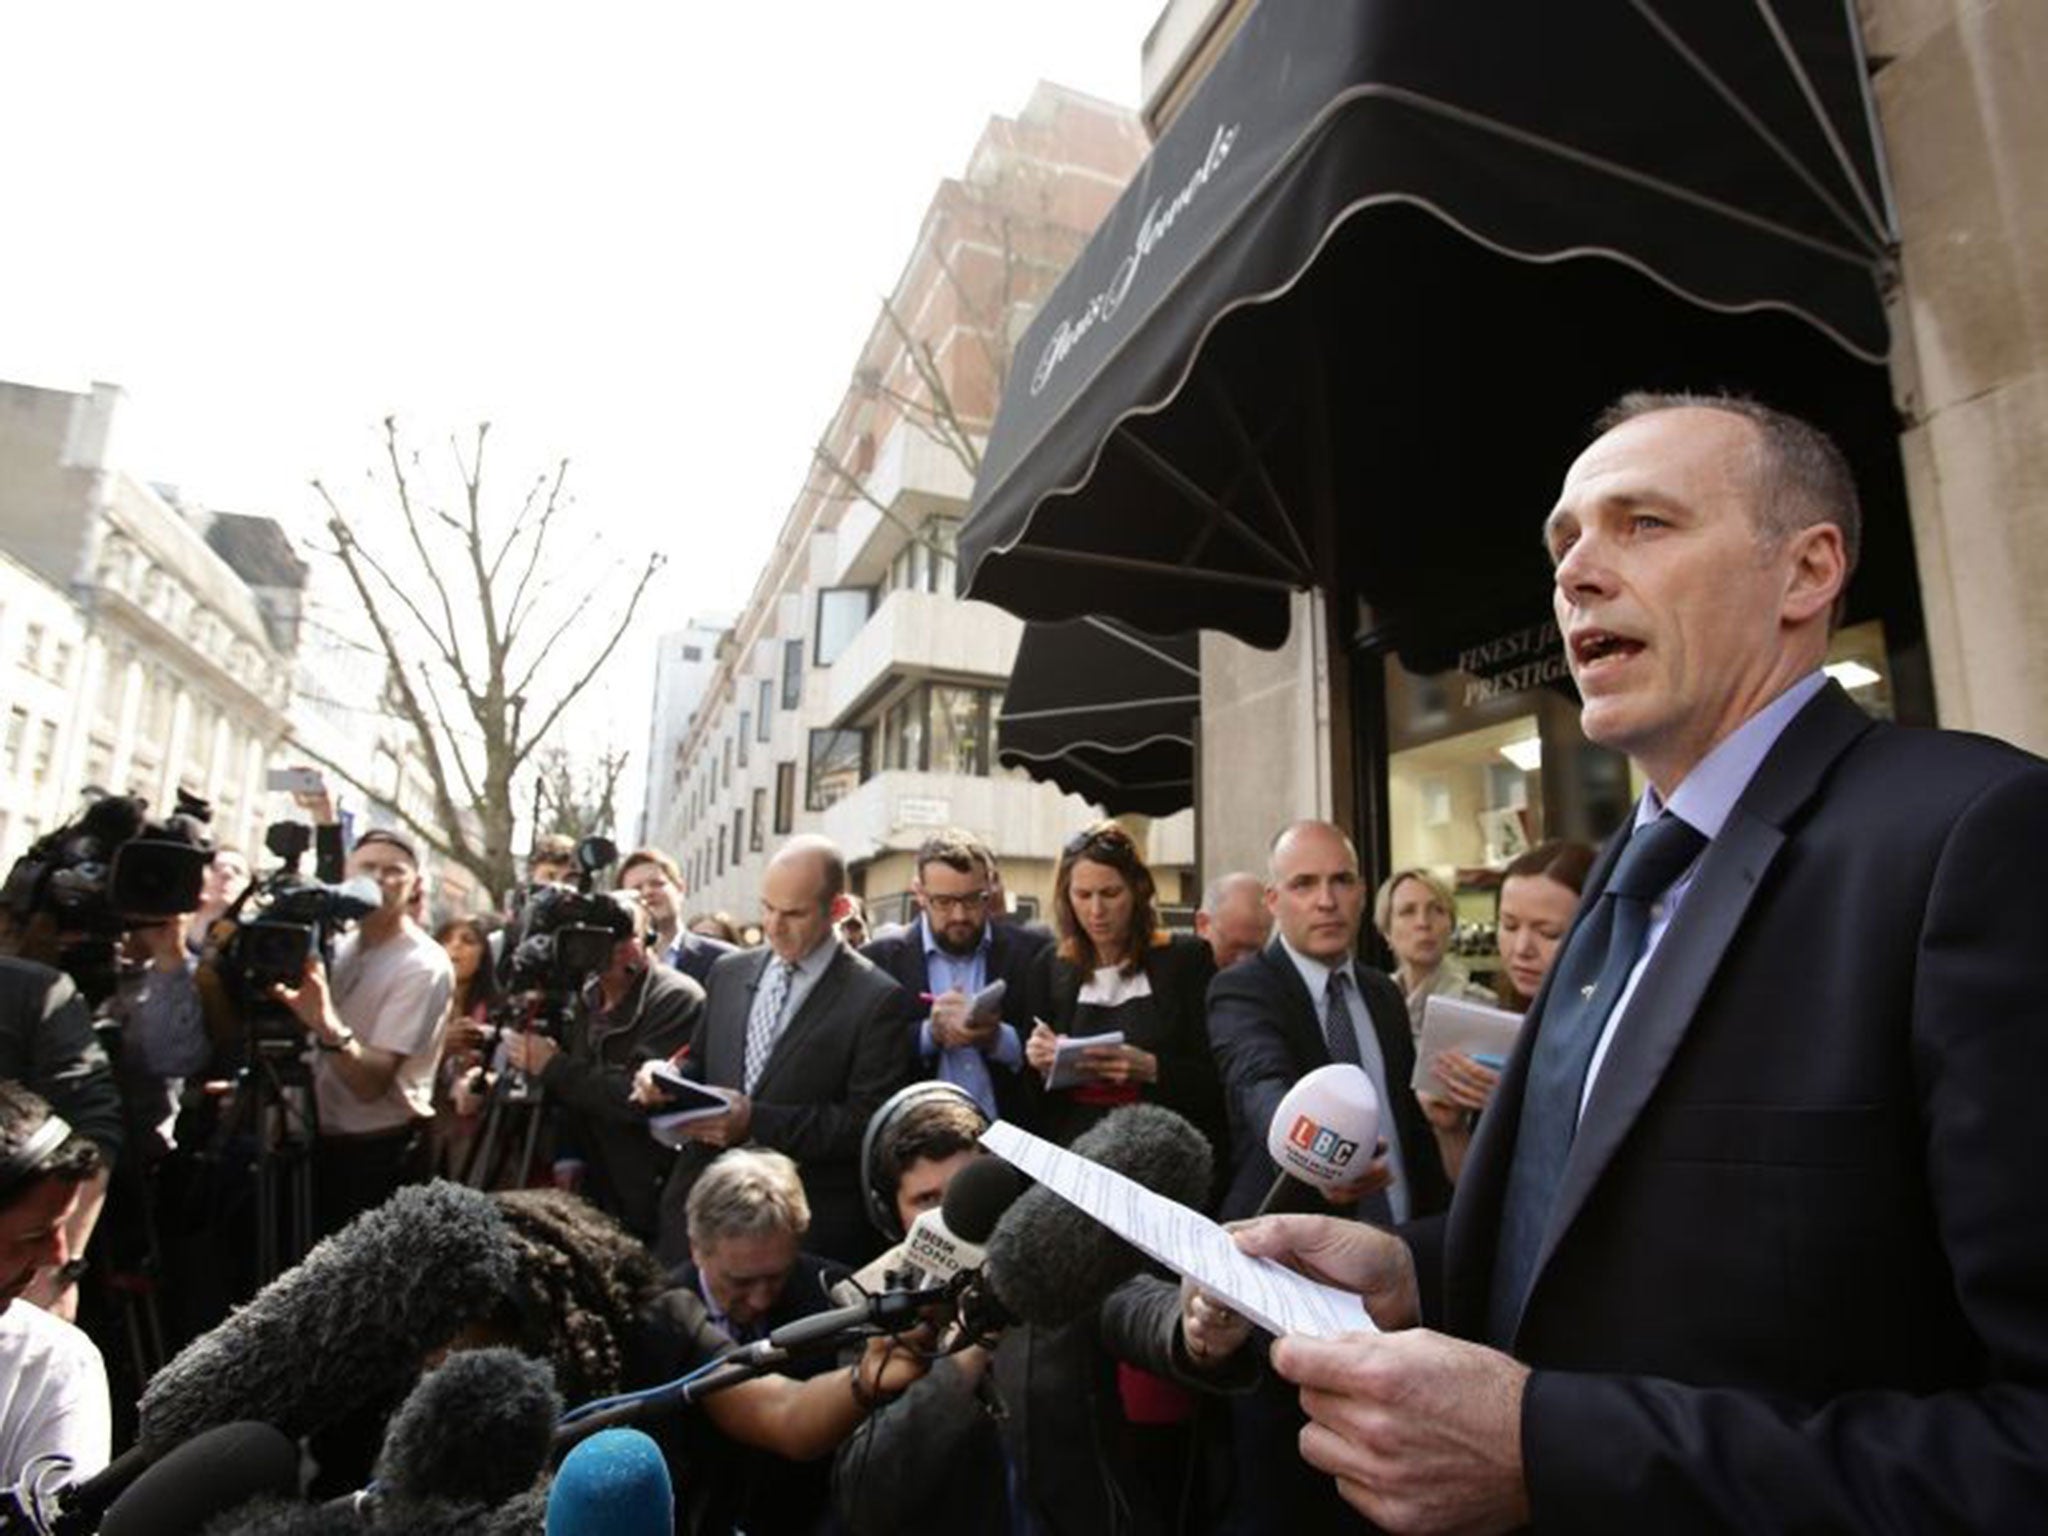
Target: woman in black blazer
{"x": 1113, "y": 969}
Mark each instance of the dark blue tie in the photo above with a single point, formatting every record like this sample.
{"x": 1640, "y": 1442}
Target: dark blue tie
{"x": 1340, "y": 1032}
{"x": 1591, "y": 974}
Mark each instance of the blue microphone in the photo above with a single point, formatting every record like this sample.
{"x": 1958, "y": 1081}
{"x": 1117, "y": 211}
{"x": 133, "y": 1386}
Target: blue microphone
{"x": 613, "y": 1484}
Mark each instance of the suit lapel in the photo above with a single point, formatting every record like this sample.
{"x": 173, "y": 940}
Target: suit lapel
{"x": 1299, "y": 1017}
{"x": 728, "y": 1049}
{"x": 1667, "y": 998}
{"x": 817, "y": 1005}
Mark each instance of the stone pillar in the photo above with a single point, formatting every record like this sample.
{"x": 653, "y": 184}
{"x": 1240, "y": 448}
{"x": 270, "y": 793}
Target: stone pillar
{"x": 1962, "y": 97}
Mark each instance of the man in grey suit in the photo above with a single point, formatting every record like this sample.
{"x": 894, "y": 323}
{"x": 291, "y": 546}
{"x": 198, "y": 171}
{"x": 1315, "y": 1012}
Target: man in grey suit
{"x": 804, "y": 1035}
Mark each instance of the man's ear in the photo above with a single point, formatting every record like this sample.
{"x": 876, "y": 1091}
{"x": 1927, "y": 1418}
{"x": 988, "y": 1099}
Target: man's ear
{"x": 1817, "y": 569}
{"x": 840, "y": 907}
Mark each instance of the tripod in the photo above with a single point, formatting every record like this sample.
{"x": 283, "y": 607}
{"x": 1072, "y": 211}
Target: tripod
{"x": 275, "y": 1109}
{"x": 517, "y": 1107}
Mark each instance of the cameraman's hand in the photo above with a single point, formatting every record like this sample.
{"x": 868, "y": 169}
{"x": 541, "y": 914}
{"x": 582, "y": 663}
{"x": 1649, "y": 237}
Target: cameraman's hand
{"x": 310, "y": 1002}
{"x": 530, "y": 1053}
{"x": 648, "y": 1093}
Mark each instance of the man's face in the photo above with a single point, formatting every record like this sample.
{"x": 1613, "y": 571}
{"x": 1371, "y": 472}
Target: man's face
{"x": 1238, "y": 927}
{"x": 923, "y": 1185}
{"x": 1316, "y": 896}
{"x": 227, "y": 876}
{"x": 32, "y": 1234}
{"x": 656, "y": 891}
{"x": 745, "y": 1275}
{"x": 1673, "y": 611}
{"x": 393, "y": 871}
{"x": 795, "y": 917}
{"x": 550, "y": 872}
{"x": 957, "y": 904}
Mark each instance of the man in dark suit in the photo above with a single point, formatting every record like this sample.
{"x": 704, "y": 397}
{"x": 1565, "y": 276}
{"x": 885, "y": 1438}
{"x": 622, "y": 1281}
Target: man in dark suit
{"x": 1755, "y": 1232}
{"x": 1300, "y": 1003}
{"x": 807, "y": 1038}
{"x": 954, "y": 950}
{"x": 657, "y": 880}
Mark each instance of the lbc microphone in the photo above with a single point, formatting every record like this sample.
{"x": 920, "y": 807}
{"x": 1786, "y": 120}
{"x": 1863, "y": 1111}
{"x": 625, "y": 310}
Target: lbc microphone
{"x": 344, "y": 1327}
{"x": 613, "y": 1484}
{"x": 1049, "y": 1261}
{"x": 1319, "y": 1129}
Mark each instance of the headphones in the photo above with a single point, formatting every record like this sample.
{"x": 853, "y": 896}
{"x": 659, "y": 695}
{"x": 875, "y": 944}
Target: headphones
{"x": 879, "y": 1198}
{"x": 22, "y": 1164}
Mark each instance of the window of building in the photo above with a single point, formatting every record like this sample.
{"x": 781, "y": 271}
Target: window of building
{"x": 785, "y": 798}
{"x": 32, "y": 646}
{"x": 46, "y": 751}
{"x": 941, "y": 728}
{"x": 745, "y": 735}
{"x": 721, "y": 847}
{"x": 959, "y": 730}
{"x": 839, "y": 762}
{"x": 792, "y": 673}
{"x": 841, "y": 613}
{"x": 725, "y": 782}
{"x": 99, "y": 765}
{"x": 17, "y": 734}
{"x": 757, "y": 828}
{"x": 764, "y": 709}
{"x": 693, "y": 653}
{"x": 926, "y": 563}
{"x": 60, "y": 664}
{"x": 739, "y": 822}
{"x": 903, "y": 733}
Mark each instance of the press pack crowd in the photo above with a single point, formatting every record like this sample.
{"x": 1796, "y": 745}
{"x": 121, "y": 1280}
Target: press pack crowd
{"x": 1773, "y": 1107}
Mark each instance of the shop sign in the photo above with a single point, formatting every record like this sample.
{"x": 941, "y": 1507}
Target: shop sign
{"x": 923, "y": 811}
{"x": 1513, "y": 662}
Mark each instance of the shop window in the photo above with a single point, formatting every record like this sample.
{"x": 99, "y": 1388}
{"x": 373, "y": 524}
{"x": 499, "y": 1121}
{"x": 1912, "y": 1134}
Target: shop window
{"x": 903, "y": 733}
{"x": 959, "y": 730}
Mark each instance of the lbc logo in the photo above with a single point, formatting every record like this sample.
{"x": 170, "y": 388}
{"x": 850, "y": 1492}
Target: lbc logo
{"x": 1321, "y": 1143}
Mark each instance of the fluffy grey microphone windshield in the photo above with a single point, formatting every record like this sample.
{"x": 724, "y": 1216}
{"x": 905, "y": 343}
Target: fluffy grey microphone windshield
{"x": 347, "y": 1325}
{"x": 478, "y": 1428}
{"x": 1048, "y": 1261}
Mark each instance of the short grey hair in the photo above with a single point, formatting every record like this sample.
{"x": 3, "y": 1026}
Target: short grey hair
{"x": 1217, "y": 891}
{"x": 747, "y": 1192}
{"x": 1799, "y": 476}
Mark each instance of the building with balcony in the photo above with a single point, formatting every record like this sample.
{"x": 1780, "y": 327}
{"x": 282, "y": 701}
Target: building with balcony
{"x": 855, "y": 695}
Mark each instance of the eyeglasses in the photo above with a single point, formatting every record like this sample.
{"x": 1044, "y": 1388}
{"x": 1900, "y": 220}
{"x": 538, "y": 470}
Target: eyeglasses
{"x": 972, "y": 901}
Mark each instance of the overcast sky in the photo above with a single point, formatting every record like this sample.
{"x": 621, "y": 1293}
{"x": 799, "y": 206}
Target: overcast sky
{"x": 649, "y": 237}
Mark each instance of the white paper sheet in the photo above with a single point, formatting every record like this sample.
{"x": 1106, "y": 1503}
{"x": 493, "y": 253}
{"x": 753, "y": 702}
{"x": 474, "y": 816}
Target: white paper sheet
{"x": 1186, "y": 1242}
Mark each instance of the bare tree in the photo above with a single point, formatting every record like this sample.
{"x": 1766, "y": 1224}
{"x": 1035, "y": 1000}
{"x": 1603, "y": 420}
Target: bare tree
{"x": 485, "y": 646}
{"x": 577, "y": 801}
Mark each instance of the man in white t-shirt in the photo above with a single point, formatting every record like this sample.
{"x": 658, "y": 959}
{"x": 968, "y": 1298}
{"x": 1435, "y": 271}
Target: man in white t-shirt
{"x": 53, "y": 1386}
{"x": 377, "y": 1021}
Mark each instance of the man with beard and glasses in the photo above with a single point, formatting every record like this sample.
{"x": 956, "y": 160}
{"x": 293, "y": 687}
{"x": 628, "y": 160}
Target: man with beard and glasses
{"x": 953, "y": 951}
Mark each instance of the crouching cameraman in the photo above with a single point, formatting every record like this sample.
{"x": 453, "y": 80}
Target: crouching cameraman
{"x": 634, "y": 1010}
{"x": 377, "y": 1020}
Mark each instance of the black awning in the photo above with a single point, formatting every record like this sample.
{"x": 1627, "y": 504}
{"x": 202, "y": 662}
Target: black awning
{"x": 1106, "y": 713}
{"x": 1388, "y": 262}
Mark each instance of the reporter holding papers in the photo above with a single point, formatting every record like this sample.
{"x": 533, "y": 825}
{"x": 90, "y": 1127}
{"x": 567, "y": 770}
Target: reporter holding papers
{"x": 1114, "y": 971}
{"x": 953, "y": 953}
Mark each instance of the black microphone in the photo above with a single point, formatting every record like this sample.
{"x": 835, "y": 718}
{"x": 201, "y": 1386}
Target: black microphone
{"x": 210, "y": 1473}
{"x": 345, "y": 1327}
{"x": 477, "y": 1429}
{"x": 1049, "y": 1261}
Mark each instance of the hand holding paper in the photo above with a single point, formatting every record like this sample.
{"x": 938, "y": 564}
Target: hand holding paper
{"x": 1191, "y": 1245}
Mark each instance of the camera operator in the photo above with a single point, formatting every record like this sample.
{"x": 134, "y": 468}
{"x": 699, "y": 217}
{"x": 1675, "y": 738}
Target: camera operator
{"x": 635, "y": 1010}
{"x": 47, "y": 1045}
{"x": 377, "y": 1022}
{"x": 53, "y": 1388}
